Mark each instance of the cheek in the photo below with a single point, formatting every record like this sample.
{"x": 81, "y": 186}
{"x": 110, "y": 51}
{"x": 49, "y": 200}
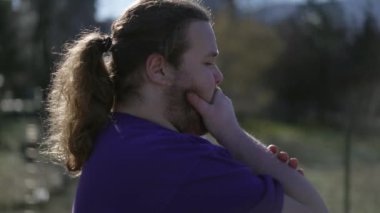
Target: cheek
{"x": 198, "y": 79}
{"x": 205, "y": 86}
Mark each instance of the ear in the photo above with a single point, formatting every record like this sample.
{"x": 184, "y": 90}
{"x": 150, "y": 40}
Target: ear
{"x": 157, "y": 70}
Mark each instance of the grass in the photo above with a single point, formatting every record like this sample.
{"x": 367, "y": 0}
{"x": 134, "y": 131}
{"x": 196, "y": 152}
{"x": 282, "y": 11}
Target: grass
{"x": 24, "y": 184}
{"x": 320, "y": 151}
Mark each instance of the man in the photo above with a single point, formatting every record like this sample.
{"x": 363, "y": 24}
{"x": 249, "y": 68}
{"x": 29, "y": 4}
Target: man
{"x": 149, "y": 156}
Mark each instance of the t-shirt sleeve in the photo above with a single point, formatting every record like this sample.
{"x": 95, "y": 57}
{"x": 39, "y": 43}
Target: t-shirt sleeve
{"x": 219, "y": 183}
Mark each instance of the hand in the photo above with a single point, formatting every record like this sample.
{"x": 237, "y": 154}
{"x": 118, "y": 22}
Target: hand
{"x": 218, "y": 116}
{"x": 284, "y": 157}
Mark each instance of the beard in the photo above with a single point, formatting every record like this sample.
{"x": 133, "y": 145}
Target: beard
{"x": 181, "y": 114}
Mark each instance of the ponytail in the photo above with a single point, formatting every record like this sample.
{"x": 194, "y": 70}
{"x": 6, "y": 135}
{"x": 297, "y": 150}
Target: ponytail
{"x": 79, "y": 102}
{"x": 83, "y": 89}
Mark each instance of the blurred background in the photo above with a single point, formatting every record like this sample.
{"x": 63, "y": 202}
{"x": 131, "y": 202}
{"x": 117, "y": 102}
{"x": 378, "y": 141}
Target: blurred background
{"x": 304, "y": 75}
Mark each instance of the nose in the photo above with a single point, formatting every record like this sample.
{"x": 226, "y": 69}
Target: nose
{"x": 218, "y": 76}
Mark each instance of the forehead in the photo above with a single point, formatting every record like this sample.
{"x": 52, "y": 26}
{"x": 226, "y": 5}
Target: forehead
{"x": 201, "y": 38}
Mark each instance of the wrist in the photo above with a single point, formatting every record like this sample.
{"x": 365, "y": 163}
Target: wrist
{"x": 229, "y": 136}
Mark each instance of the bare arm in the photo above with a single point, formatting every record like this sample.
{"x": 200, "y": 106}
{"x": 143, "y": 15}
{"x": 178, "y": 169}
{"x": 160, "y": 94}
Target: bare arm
{"x": 220, "y": 120}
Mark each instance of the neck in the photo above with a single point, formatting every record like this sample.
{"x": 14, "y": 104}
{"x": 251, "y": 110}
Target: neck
{"x": 149, "y": 108}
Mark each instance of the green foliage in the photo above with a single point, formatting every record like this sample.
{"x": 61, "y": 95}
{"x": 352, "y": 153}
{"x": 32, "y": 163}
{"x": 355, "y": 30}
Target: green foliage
{"x": 8, "y": 59}
{"x": 365, "y": 56}
{"x": 247, "y": 50}
{"x": 320, "y": 152}
{"x": 320, "y": 67}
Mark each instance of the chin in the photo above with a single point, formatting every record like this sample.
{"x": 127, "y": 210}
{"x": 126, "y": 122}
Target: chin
{"x": 186, "y": 120}
{"x": 194, "y": 124}
{"x": 182, "y": 115}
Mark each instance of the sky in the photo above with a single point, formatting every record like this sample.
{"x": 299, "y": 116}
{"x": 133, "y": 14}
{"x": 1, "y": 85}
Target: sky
{"x": 110, "y": 9}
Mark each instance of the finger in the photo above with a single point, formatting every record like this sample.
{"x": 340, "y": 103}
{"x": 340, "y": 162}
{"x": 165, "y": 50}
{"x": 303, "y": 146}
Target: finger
{"x": 293, "y": 162}
{"x": 301, "y": 171}
{"x": 197, "y": 102}
{"x": 217, "y": 94}
{"x": 283, "y": 156}
{"x": 273, "y": 149}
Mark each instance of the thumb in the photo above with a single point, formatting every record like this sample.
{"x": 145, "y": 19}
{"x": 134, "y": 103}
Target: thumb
{"x": 197, "y": 102}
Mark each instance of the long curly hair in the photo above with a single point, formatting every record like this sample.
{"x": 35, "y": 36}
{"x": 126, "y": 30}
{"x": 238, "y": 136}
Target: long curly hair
{"x": 84, "y": 88}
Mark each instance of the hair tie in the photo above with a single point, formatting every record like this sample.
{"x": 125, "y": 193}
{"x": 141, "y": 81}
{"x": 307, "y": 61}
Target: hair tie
{"x": 106, "y": 44}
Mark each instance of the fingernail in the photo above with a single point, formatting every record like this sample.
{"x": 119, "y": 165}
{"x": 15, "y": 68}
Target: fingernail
{"x": 283, "y": 156}
{"x": 273, "y": 149}
{"x": 293, "y": 162}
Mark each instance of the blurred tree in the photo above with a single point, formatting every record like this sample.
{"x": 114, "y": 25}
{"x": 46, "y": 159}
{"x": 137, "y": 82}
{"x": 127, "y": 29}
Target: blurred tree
{"x": 7, "y": 53}
{"x": 363, "y": 76}
{"x": 306, "y": 77}
{"x": 58, "y": 21}
{"x": 31, "y": 34}
{"x": 8, "y": 48}
{"x": 217, "y": 5}
{"x": 41, "y": 42}
{"x": 323, "y": 68}
{"x": 247, "y": 50}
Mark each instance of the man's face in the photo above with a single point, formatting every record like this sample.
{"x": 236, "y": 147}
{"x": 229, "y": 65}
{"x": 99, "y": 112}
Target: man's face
{"x": 197, "y": 73}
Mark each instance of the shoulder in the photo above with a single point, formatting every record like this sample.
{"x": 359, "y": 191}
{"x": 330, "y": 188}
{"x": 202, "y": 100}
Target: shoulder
{"x": 151, "y": 137}
{"x": 151, "y": 145}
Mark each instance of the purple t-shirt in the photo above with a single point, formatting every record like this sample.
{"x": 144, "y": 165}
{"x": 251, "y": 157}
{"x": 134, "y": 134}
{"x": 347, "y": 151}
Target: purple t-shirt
{"x": 139, "y": 166}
